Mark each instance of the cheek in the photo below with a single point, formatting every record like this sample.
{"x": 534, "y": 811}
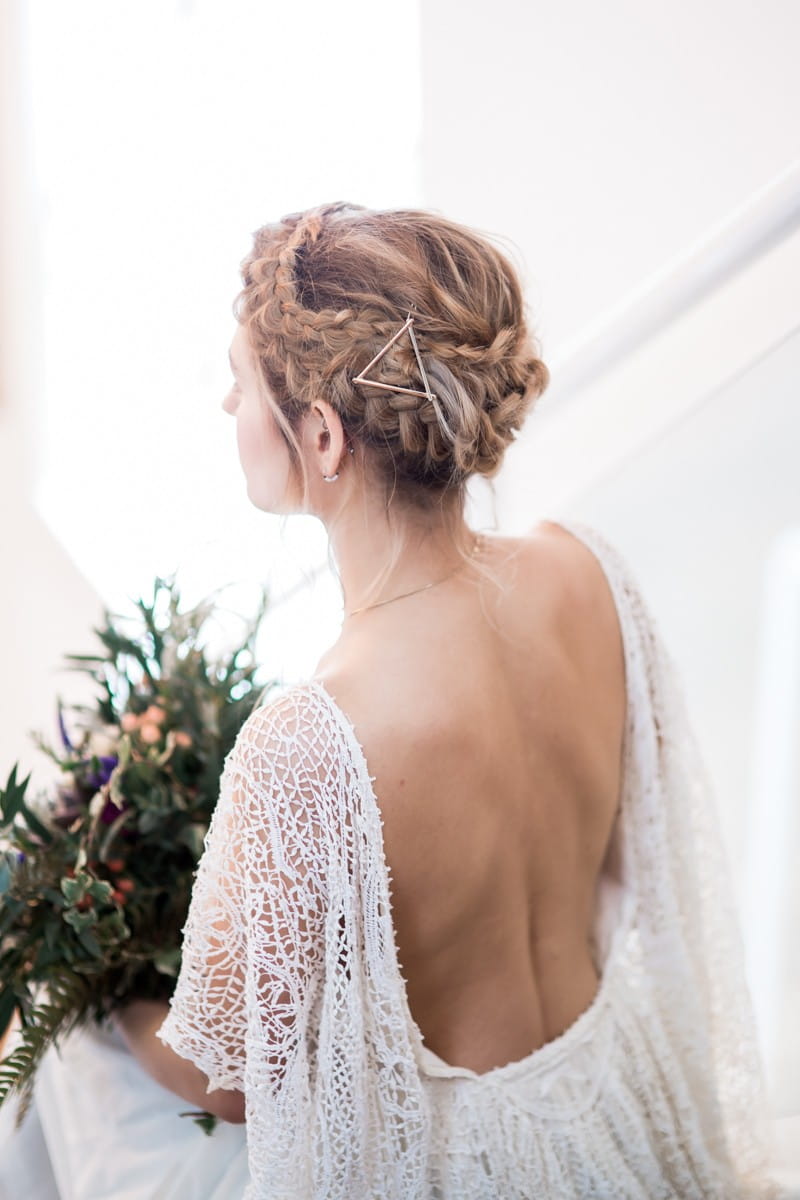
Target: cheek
{"x": 265, "y": 460}
{"x": 249, "y": 437}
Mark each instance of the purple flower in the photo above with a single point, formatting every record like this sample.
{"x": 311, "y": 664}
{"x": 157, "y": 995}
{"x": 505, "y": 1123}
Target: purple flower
{"x": 96, "y": 779}
{"x": 64, "y": 735}
{"x": 110, "y": 812}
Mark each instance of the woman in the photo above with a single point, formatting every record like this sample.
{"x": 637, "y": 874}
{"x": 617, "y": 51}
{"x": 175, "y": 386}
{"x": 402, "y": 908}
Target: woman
{"x": 458, "y": 928}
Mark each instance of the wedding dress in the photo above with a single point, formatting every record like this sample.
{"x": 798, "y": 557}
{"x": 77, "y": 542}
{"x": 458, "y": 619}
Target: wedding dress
{"x": 291, "y": 990}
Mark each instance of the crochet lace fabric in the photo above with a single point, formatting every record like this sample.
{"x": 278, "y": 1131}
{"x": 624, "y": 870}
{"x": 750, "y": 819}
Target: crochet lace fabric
{"x": 291, "y": 991}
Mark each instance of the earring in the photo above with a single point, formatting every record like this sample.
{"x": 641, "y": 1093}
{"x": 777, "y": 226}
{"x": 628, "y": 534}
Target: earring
{"x": 333, "y": 478}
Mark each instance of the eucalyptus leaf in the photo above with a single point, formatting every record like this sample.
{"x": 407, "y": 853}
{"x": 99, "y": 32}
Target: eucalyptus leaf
{"x": 79, "y": 920}
{"x": 73, "y": 890}
{"x": 100, "y": 890}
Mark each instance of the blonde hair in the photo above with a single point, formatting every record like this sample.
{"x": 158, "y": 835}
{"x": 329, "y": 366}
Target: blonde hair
{"x": 323, "y": 292}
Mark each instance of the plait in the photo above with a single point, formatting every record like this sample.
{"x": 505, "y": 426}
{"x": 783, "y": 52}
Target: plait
{"x": 305, "y": 229}
{"x": 326, "y": 288}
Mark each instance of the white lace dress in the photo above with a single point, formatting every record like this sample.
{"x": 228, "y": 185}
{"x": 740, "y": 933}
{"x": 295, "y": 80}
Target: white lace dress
{"x": 291, "y": 991}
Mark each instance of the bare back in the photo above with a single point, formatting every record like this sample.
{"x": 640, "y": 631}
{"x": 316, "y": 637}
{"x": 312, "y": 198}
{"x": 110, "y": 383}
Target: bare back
{"x": 495, "y": 735}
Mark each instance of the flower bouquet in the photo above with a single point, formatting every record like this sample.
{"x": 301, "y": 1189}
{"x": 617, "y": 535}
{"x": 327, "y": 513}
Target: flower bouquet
{"x": 96, "y": 877}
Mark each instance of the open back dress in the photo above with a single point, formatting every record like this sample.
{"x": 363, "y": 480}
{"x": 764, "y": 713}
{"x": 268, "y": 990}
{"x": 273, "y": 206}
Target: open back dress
{"x": 291, "y": 991}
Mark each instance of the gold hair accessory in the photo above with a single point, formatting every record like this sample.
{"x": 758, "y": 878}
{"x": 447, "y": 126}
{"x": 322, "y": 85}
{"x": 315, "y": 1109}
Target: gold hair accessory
{"x": 392, "y": 387}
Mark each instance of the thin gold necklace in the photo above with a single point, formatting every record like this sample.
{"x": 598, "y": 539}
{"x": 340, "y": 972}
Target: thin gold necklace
{"x": 424, "y": 588}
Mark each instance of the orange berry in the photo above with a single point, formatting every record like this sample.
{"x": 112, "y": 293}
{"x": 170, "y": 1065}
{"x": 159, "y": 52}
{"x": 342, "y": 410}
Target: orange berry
{"x": 126, "y": 885}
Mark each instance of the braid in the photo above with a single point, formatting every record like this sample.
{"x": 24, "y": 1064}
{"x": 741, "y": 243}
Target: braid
{"x": 325, "y": 290}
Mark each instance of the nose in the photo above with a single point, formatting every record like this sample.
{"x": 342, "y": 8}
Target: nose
{"x": 229, "y": 404}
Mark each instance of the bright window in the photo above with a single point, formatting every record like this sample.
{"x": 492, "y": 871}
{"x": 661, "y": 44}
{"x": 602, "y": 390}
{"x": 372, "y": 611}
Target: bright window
{"x": 164, "y": 134}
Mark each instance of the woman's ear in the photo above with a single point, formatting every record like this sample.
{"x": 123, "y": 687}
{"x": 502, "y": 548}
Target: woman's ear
{"x": 325, "y": 437}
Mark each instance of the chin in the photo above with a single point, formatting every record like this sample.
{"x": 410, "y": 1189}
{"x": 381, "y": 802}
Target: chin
{"x": 262, "y": 503}
{"x": 276, "y": 506}
{"x": 274, "y": 492}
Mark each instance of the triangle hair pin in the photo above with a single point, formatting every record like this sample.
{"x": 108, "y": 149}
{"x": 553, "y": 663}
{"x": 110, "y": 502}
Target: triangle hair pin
{"x": 392, "y": 387}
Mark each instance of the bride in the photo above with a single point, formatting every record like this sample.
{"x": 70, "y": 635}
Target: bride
{"x": 461, "y": 928}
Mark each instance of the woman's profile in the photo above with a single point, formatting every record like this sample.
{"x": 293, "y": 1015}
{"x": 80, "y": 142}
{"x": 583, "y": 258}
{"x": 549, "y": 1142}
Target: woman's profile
{"x": 461, "y": 926}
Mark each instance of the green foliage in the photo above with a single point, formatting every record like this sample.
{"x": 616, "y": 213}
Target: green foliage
{"x": 206, "y": 1122}
{"x": 12, "y": 806}
{"x": 66, "y": 1006}
{"x": 96, "y": 877}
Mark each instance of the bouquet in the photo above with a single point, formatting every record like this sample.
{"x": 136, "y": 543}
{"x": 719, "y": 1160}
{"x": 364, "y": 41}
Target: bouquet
{"x": 96, "y": 877}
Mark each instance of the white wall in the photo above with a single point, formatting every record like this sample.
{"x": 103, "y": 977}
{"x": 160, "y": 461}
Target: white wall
{"x": 46, "y": 606}
{"x": 604, "y": 139}
{"x": 141, "y": 147}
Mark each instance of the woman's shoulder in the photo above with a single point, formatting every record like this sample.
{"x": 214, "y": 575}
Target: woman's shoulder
{"x": 293, "y": 726}
{"x": 542, "y": 592}
{"x": 576, "y": 553}
{"x": 566, "y": 556}
{"x": 558, "y": 580}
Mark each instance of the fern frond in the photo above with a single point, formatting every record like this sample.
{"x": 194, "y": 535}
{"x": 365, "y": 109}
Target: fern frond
{"x": 67, "y": 1004}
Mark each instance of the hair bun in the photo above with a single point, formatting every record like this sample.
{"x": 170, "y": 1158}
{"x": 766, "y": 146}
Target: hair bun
{"x": 327, "y": 289}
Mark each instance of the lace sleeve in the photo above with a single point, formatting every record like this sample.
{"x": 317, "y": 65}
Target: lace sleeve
{"x": 207, "y": 1018}
{"x": 252, "y": 936}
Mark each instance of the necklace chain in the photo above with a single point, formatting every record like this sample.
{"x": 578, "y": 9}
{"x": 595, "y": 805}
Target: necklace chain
{"x": 424, "y": 588}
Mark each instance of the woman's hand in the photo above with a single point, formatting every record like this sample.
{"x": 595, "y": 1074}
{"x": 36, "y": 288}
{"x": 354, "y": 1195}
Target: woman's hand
{"x": 139, "y": 1019}
{"x": 138, "y": 1022}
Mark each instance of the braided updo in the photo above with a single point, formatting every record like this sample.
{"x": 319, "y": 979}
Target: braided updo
{"x": 323, "y": 292}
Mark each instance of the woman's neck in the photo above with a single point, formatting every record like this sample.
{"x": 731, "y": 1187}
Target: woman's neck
{"x": 363, "y": 542}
